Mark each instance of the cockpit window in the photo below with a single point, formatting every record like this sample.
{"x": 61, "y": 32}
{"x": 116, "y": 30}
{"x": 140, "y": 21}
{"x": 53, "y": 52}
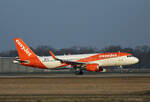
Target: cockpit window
{"x": 130, "y": 56}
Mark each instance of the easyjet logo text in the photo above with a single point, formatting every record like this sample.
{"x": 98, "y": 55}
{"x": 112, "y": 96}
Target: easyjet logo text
{"x": 26, "y": 50}
{"x": 111, "y": 55}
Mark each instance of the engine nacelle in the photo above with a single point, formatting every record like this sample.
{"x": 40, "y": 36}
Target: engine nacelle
{"x": 92, "y": 67}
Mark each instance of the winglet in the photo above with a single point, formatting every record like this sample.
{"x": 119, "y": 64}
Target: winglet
{"x": 53, "y": 56}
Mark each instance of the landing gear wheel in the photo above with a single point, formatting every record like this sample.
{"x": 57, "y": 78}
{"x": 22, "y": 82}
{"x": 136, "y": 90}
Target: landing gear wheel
{"x": 79, "y": 72}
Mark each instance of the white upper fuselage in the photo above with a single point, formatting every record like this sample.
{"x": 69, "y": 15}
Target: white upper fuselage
{"x": 50, "y": 63}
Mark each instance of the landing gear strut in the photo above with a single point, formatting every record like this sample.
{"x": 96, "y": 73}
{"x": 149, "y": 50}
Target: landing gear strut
{"x": 79, "y": 71}
{"x": 121, "y": 68}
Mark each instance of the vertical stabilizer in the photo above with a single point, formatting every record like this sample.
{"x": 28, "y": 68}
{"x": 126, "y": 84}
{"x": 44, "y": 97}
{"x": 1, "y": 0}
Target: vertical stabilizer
{"x": 26, "y": 56}
{"x": 24, "y": 51}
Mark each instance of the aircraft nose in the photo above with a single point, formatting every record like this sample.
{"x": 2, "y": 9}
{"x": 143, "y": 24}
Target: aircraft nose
{"x": 136, "y": 60}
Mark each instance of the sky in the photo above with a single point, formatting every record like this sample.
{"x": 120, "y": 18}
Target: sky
{"x": 66, "y": 23}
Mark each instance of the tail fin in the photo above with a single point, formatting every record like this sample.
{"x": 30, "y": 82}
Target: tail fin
{"x": 26, "y": 56}
{"x": 24, "y": 51}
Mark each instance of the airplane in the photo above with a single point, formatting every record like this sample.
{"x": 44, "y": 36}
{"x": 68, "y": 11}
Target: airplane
{"x": 80, "y": 62}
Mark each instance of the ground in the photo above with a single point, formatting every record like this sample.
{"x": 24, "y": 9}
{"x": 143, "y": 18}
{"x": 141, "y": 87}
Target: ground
{"x": 75, "y": 89}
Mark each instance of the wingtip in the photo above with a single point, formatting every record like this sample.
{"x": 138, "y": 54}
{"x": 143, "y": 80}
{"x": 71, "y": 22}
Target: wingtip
{"x": 53, "y": 56}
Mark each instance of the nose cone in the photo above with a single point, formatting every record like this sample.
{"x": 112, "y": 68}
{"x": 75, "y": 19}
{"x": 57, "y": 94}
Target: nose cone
{"x": 136, "y": 60}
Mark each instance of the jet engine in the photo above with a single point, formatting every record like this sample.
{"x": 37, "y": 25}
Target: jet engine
{"x": 94, "y": 68}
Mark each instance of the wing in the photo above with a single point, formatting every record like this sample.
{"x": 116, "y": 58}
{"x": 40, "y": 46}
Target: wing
{"x": 67, "y": 61}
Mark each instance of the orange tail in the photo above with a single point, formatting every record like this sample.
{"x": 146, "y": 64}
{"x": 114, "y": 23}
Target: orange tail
{"x": 26, "y": 55}
{"x": 24, "y": 51}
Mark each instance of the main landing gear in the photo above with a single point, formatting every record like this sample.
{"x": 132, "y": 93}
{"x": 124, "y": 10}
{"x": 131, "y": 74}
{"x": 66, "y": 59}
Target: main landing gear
{"x": 79, "y": 71}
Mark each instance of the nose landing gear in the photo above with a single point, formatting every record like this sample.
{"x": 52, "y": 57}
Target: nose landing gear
{"x": 121, "y": 69}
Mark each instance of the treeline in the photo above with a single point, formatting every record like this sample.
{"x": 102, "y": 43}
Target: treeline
{"x": 142, "y": 52}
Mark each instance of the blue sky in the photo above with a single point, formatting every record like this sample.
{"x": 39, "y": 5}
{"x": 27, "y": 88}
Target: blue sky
{"x": 66, "y": 23}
